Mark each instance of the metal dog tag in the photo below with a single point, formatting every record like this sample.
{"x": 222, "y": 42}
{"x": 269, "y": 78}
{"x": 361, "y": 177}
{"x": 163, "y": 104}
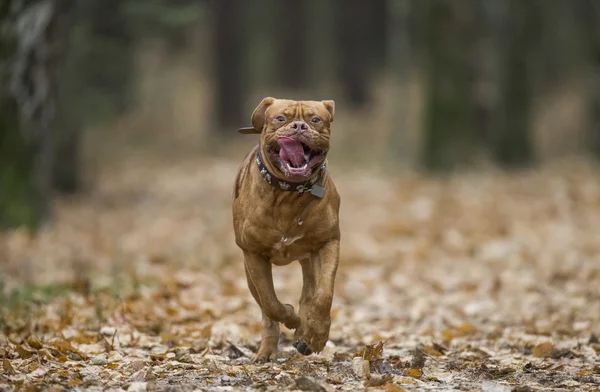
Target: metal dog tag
{"x": 317, "y": 191}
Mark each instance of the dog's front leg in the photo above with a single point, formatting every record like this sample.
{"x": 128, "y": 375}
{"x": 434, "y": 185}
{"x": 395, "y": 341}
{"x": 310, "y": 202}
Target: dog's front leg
{"x": 315, "y": 332}
{"x": 260, "y": 281}
{"x": 311, "y": 268}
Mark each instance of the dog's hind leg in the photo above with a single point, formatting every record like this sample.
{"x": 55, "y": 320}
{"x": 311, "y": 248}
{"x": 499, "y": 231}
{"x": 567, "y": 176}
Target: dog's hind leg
{"x": 315, "y": 331}
{"x": 260, "y": 282}
{"x": 310, "y": 271}
{"x": 269, "y": 330}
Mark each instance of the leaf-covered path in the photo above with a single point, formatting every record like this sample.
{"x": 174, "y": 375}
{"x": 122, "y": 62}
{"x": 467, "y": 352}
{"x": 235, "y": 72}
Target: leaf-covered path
{"x": 480, "y": 281}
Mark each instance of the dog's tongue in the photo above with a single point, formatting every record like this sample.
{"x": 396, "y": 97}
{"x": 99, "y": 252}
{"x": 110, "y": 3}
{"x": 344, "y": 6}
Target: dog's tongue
{"x": 291, "y": 150}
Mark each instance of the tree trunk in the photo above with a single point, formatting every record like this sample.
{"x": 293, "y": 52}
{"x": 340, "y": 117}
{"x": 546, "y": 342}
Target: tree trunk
{"x": 28, "y": 67}
{"x": 353, "y": 51}
{"x": 511, "y": 144}
{"x": 399, "y": 59}
{"x": 229, "y": 67}
{"x": 290, "y": 31}
{"x": 449, "y": 129}
{"x": 590, "y": 12}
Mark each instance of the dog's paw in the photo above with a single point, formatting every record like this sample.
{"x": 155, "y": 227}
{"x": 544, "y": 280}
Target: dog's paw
{"x": 292, "y": 320}
{"x": 302, "y": 347}
{"x": 263, "y": 355}
{"x": 314, "y": 337}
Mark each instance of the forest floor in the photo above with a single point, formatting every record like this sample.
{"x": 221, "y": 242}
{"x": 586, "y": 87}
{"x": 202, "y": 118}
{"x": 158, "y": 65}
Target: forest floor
{"x": 474, "y": 282}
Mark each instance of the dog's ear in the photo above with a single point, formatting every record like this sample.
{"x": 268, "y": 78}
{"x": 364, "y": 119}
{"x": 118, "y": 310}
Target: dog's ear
{"x": 248, "y": 131}
{"x": 259, "y": 115}
{"x": 330, "y": 106}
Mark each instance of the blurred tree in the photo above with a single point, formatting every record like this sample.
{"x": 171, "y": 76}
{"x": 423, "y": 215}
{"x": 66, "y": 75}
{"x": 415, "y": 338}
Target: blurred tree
{"x": 399, "y": 59}
{"x": 30, "y": 37}
{"x": 352, "y": 23}
{"x": 449, "y": 38}
{"x": 229, "y": 63}
{"x": 290, "y": 29}
{"x": 166, "y": 20}
{"x": 510, "y": 140}
{"x": 379, "y": 17}
{"x": 589, "y": 12}
{"x": 100, "y": 58}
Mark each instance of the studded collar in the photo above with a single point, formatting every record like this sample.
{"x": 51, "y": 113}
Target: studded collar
{"x": 300, "y": 187}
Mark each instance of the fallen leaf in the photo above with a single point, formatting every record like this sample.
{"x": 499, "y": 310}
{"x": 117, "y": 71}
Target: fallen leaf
{"x": 8, "y": 367}
{"x": 34, "y": 343}
{"x": 414, "y": 373}
{"x": 393, "y": 388}
{"x": 378, "y": 380}
{"x": 543, "y": 350}
{"x": 432, "y": 351}
{"x": 467, "y": 329}
{"x": 418, "y": 358}
{"x": 75, "y": 381}
{"x": 23, "y": 353}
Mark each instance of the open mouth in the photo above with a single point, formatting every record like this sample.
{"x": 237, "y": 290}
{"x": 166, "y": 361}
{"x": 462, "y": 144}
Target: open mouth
{"x": 296, "y": 158}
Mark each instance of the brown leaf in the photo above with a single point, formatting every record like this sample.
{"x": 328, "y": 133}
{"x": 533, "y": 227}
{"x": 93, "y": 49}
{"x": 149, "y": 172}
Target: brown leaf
{"x": 543, "y": 350}
{"x": 158, "y": 357}
{"x": 63, "y": 345}
{"x": 378, "y": 380}
{"x": 371, "y": 352}
{"x": 418, "y": 359}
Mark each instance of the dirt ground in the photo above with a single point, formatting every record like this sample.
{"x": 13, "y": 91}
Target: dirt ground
{"x": 476, "y": 282}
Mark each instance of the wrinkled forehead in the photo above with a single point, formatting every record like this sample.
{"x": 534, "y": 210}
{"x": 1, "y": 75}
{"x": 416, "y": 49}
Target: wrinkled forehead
{"x": 291, "y": 108}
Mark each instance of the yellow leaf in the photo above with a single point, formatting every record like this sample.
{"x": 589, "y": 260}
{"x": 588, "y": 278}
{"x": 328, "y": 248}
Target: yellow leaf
{"x": 432, "y": 351}
{"x": 8, "y": 367}
{"x": 393, "y": 388}
{"x": 582, "y": 372}
{"x": 34, "y": 343}
{"x": 447, "y": 335}
{"x": 414, "y": 373}
{"x": 75, "y": 381}
{"x": 467, "y": 329}
{"x": 25, "y": 354}
{"x": 112, "y": 365}
{"x": 33, "y": 367}
{"x": 543, "y": 350}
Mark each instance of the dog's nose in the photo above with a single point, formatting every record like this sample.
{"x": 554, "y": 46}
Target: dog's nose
{"x": 299, "y": 126}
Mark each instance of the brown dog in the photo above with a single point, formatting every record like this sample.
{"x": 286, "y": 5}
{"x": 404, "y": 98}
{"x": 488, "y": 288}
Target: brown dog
{"x": 285, "y": 208}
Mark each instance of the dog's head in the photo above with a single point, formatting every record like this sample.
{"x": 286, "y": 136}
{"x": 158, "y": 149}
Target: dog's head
{"x": 294, "y": 135}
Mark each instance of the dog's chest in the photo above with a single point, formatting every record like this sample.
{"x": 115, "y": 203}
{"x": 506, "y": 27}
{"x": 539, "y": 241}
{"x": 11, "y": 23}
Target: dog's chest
{"x": 285, "y": 242}
{"x": 288, "y": 248}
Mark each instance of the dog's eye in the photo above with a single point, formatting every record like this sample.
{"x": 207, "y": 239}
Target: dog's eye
{"x": 315, "y": 120}
{"x": 280, "y": 118}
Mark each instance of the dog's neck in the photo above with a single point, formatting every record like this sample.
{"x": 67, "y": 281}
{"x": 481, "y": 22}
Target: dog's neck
{"x": 311, "y": 186}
